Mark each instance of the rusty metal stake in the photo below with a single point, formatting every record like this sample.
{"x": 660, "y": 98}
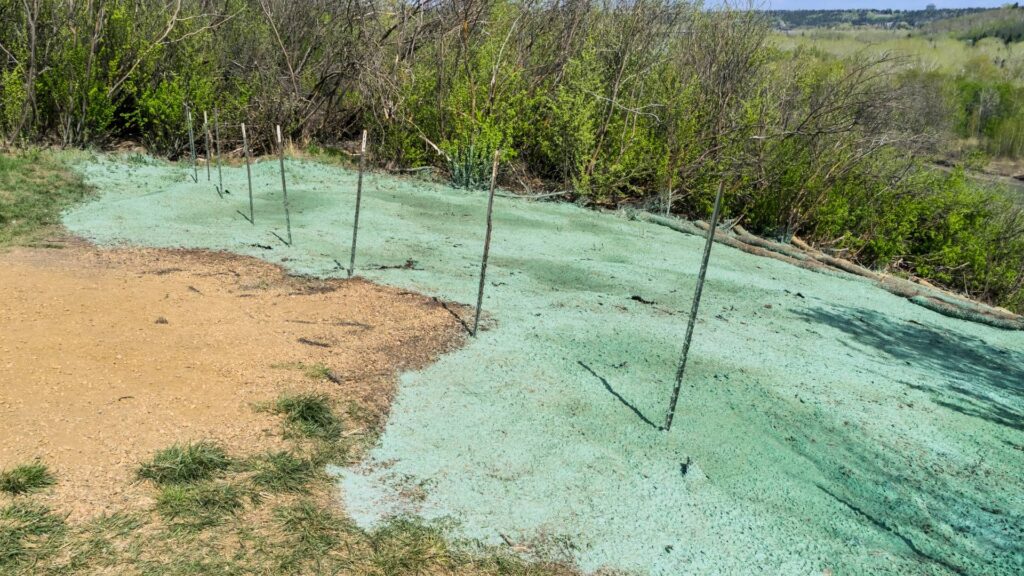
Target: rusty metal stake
{"x": 216, "y": 143}
{"x": 359, "y": 197}
{"x": 206, "y": 130}
{"x": 696, "y": 305}
{"x": 192, "y": 144}
{"x": 487, "y": 244}
{"x": 284, "y": 187}
{"x": 248, "y": 173}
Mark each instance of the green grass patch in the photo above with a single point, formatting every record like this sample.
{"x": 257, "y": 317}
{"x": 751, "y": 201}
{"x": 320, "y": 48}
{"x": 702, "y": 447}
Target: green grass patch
{"x": 26, "y": 478}
{"x": 408, "y": 545}
{"x": 182, "y": 464}
{"x": 309, "y": 415}
{"x": 312, "y": 533}
{"x": 99, "y": 543}
{"x": 198, "y": 506}
{"x": 283, "y": 472}
{"x": 29, "y": 532}
{"x": 35, "y": 185}
{"x": 318, "y": 372}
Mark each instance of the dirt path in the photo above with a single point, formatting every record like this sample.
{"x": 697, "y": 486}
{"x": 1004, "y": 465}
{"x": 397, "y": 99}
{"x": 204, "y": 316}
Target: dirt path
{"x": 107, "y": 356}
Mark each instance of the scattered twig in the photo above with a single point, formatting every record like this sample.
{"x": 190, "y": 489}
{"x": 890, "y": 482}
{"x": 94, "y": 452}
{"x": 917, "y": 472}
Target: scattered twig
{"x": 316, "y": 343}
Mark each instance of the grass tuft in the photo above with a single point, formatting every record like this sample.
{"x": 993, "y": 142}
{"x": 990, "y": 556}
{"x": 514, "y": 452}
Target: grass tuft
{"x": 309, "y": 415}
{"x": 185, "y": 464}
{"x": 283, "y": 472}
{"x": 318, "y": 372}
{"x": 26, "y": 478}
{"x": 313, "y": 533}
{"x": 28, "y": 533}
{"x": 407, "y": 545}
{"x": 198, "y": 506}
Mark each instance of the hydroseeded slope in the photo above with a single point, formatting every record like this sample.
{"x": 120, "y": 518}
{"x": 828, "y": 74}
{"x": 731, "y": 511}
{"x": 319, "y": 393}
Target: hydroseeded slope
{"x": 824, "y": 424}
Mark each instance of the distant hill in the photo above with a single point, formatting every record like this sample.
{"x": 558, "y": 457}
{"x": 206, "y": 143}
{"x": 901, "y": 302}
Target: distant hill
{"x": 790, "y": 19}
{"x": 1006, "y": 24}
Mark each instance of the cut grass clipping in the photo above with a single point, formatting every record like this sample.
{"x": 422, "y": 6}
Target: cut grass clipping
{"x": 26, "y": 478}
{"x": 309, "y": 415}
{"x": 184, "y": 464}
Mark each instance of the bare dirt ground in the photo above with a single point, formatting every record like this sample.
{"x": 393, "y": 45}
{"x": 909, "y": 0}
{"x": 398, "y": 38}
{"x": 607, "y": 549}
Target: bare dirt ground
{"x": 109, "y": 355}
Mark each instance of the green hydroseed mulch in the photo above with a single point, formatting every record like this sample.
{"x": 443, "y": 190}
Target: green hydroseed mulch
{"x": 824, "y": 423}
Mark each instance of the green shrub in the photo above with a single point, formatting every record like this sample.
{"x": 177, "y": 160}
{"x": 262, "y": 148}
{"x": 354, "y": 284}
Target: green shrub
{"x": 12, "y": 101}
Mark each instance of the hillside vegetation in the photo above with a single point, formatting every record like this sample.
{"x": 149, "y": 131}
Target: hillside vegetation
{"x": 884, "y": 18}
{"x": 647, "y": 103}
{"x": 1006, "y": 24}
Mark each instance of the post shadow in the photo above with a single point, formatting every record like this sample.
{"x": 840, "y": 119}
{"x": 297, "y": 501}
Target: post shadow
{"x": 619, "y": 397}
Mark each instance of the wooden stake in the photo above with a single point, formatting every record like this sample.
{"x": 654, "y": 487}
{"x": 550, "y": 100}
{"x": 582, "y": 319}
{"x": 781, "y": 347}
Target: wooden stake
{"x": 284, "y": 187}
{"x": 359, "y": 197}
{"x": 487, "y": 244}
{"x": 248, "y": 173}
{"x": 696, "y": 305}
{"x": 192, "y": 144}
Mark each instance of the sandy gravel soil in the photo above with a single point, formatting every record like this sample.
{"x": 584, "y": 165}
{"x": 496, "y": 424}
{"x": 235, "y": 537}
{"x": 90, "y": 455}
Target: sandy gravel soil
{"x": 107, "y": 356}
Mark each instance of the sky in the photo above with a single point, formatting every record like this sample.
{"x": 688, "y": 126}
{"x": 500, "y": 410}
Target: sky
{"x": 896, "y": 4}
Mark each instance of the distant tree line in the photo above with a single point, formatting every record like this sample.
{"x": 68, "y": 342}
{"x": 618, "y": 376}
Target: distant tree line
{"x": 888, "y": 18}
{"x": 648, "y": 103}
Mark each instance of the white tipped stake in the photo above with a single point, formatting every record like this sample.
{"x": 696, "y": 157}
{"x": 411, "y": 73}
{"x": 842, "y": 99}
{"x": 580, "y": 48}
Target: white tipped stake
{"x": 359, "y": 197}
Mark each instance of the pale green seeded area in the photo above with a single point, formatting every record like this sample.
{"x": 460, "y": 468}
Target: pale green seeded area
{"x": 824, "y": 423}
